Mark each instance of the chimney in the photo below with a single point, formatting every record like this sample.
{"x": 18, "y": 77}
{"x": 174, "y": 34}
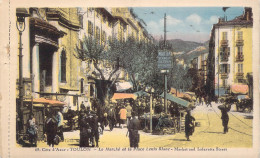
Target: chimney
{"x": 248, "y": 14}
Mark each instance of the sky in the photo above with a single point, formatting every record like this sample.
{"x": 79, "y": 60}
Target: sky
{"x": 186, "y": 23}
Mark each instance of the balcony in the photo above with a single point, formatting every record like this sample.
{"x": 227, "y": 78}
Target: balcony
{"x": 224, "y": 58}
{"x": 224, "y": 42}
{"x": 224, "y": 75}
{"x": 240, "y": 57}
{"x": 240, "y": 42}
{"x": 240, "y": 75}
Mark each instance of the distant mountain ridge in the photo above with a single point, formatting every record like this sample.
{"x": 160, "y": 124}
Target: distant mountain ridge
{"x": 179, "y": 45}
{"x": 188, "y": 50}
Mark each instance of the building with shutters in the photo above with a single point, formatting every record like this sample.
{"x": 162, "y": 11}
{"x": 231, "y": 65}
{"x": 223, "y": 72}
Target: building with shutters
{"x": 231, "y": 48}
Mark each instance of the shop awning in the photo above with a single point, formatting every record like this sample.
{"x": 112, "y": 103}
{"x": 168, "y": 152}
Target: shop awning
{"x": 122, "y": 86}
{"x": 46, "y": 101}
{"x": 123, "y": 96}
{"x": 239, "y": 89}
{"x": 176, "y": 99}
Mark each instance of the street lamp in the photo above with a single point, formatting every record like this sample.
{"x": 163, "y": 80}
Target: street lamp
{"x": 21, "y": 13}
{"x": 151, "y": 91}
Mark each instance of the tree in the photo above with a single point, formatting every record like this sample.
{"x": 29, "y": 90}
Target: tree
{"x": 91, "y": 50}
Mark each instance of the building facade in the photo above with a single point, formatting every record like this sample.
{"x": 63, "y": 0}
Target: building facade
{"x": 231, "y": 44}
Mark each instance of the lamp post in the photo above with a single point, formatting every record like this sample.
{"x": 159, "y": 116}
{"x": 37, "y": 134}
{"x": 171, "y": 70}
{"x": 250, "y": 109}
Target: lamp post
{"x": 151, "y": 91}
{"x": 21, "y": 13}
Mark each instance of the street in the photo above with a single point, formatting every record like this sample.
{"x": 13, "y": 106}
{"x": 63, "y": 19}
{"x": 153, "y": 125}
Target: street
{"x": 209, "y": 134}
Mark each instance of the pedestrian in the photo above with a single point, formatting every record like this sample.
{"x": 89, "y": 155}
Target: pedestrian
{"x": 111, "y": 117}
{"x": 81, "y": 123}
{"x": 133, "y": 127}
{"x": 189, "y": 125}
{"x": 51, "y": 128}
{"x": 60, "y": 124}
{"x": 122, "y": 114}
{"x": 129, "y": 112}
{"x": 96, "y": 129}
{"x": 32, "y": 130}
{"x": 224, "y": 116}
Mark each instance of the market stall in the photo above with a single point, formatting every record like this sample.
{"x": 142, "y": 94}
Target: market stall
{"x": 38, "y": 107}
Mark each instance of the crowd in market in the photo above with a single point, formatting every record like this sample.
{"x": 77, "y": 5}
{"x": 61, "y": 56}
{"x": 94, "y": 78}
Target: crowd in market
{"x": 128, "y": 113}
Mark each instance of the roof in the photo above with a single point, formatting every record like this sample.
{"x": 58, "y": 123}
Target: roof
{"x": 239, "y": 20}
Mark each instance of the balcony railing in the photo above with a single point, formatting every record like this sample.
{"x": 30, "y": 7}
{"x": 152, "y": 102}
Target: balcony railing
{"x": 240, "y": 57}
{"x": 224, "y": 42}
{"x": 224, "y": 75}
{"x": 224, "y": 58}
{"x": 240, "y": 42}
{"x": 240, "y": 75}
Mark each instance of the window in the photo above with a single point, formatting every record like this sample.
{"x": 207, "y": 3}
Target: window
{"x": 91, "y": 91}
{"x": 63, "y": 66}
{"x": 104, "y": 19}
{"x": 104, "y": 36}
{"x": 81, "y": 85}
{"x": 240, "y": 68}
{"x": 224, "y": 82}
{"x": 224, "y": 68}
{"x": 90, "y": 28}
{"x": 240, "y": 49}
{"x": 109, "y": 39}
{"x": 224, "y": 35}
{"x": 240, "y": 35}
{"x": 97, "y": 33}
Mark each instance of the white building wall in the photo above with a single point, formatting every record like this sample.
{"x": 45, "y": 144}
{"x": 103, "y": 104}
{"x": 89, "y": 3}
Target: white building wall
{"x": 218, "y": 38}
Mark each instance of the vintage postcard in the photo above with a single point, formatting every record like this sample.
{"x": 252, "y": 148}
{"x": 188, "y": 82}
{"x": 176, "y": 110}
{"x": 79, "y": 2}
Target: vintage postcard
{"x": 124, "y": 79}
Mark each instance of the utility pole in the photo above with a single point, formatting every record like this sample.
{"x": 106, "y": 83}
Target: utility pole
{"x": 165, "y": 75}
{"x": 164, "y": 30}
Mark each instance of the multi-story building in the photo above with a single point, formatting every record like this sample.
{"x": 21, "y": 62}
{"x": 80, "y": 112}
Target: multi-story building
{"x": 231, "y": 44}
{"x": 50, "y": 68}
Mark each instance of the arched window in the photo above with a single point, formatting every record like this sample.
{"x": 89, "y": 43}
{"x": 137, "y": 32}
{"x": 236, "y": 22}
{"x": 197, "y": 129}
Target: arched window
{"x": 63, "y": 66}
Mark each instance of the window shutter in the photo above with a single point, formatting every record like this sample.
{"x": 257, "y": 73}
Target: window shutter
{"x": 228, "y": 51}
{"x": 228, "y": 68}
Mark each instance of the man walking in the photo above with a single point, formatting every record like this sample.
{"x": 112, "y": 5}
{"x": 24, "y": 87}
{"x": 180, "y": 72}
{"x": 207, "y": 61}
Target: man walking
{"x": 60, "y": 125}
{"x": 133, "y": 127}
{"x": 129, "y": 112}
{"x": 111, "y": 117}
{"x": 224, "y": 116}
{"x": 122, "y": 114}
{"x": 189, "y": 125}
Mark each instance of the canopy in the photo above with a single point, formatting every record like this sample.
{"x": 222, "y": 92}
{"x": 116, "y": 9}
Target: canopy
{"x": 176, "y": 99}
{"x": 239, "y": 89}
{"x": 141, "y": 93}
{"x": 123, "y": 96}
{"x": 122, "y": 86}
{"x": 46, "y": 101}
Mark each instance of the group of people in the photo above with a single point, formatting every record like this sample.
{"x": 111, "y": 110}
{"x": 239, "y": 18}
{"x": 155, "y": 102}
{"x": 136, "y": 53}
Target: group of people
{"x": 89, "y": 127}
{"x": 93, "y": 122}
{"x": 53, "y": 131}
